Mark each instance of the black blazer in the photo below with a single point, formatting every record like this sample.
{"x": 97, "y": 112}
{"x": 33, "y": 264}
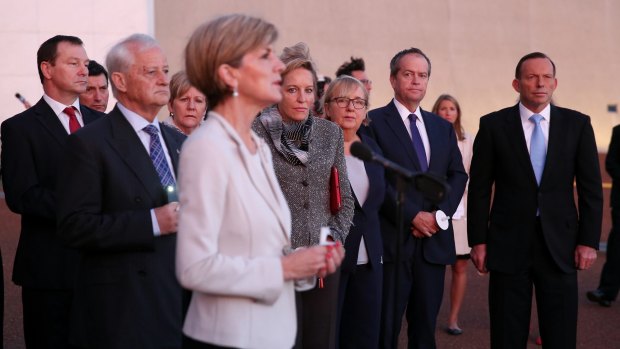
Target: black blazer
{"x": 127, "y": 295}
{"x": 32, "y": 145}
{"x": 388, "y": 130}
{"x": 366, "y": 217}
{"x": 612, "y": 165}
{"x": 501, "y": 159}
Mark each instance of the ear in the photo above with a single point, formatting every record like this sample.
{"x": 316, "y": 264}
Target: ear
{"x": 392, "y": 81}
{"x": 46, "y": 69}
{"x": 516, "y": 85}
{"x": 228, "y": 75}
{"x": 119, "y": 81}
{"x": 170, "y": 107}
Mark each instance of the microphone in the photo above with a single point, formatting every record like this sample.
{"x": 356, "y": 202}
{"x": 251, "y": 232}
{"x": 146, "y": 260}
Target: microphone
{"x": 433, "y": 187}
{"x": 23, "y": 100}
{"x": 362, "y": 152}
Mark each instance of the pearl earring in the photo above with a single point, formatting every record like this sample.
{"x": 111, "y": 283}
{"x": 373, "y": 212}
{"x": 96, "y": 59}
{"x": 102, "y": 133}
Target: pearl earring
{"x": 235, "y": 92}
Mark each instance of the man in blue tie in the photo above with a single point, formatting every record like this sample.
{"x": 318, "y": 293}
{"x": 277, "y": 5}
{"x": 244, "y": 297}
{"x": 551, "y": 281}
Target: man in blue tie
{"x": 114, "y": 204}
{"x": 523, "y": 223}
{"x": 421, "y": 142}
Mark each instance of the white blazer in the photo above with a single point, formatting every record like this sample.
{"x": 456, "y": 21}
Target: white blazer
{"x": 232, "y": 232}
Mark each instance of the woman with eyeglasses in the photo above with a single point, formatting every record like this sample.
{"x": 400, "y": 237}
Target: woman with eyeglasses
{"x": 346, "y": 104}
{"x": 306, "y": 150}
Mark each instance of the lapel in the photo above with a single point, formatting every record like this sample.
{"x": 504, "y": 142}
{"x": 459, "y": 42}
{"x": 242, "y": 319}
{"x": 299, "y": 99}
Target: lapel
{"x": 273, "y": 195}
{"x": 44, "y": 114}
{"x": 395, "y": 123}
{"x": 174, "y": 147}
{"x": 129, "y": 148}
{"x": 514, "y": 134}
{"x": 435, "y": 139}
{"x": 558, "y": 131}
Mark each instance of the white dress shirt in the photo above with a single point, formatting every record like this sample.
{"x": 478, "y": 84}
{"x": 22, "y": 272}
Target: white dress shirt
{"x": 404, "y": 114}
{"x": 59, "y": 108}
{"x": 528, "y": 125}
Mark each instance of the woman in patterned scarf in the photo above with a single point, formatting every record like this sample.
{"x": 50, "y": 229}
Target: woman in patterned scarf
{"x": 305, "y": 149}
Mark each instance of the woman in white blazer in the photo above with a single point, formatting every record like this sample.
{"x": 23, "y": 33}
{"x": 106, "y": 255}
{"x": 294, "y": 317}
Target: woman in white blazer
{"x": 233, "y": 245}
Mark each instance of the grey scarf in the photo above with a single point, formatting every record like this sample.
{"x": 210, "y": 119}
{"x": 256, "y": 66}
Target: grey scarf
{"x": 290, "y": 139}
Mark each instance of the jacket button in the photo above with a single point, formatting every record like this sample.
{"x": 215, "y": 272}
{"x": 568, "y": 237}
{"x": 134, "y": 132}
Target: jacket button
{"x": 137, "y": 199}
{"x": 304, "y": 183}
{"x": 306, "y": 205}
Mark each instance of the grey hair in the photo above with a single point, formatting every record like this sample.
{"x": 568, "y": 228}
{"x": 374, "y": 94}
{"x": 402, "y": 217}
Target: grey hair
{"x": 122, "y": 55}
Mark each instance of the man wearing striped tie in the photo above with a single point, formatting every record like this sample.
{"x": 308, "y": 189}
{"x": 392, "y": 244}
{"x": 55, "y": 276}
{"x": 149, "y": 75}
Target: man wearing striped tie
{"x": 117, "y": 206}
{"x": 524, "y": 225}
{"x": 32, "y": 143}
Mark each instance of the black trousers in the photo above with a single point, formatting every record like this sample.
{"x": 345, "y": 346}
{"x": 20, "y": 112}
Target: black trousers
{"x": 610, "y": 276}
{"x": 46, "y": 318}
{"x": 420, "y": 292}
{"x": 510, "y": 302}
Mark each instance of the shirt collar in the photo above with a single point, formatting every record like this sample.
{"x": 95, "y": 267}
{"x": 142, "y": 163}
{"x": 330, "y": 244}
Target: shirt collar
{"x": 526, "y": 113}
{"x": 136, "y": 121}
{"x": 58, "y": 107}
{"x": 404, "y": 111}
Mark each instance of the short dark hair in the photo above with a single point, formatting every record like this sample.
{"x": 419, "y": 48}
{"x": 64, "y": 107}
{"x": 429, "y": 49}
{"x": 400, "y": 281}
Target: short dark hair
{"x": 49, "y": 50}
{"x": 96, "y": 69}
{"x": 394, "y": 63}
{"x": 347, "y": 68}
{"x": 531, "y": 56}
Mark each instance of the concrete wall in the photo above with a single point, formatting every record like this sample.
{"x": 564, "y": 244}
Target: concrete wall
{"x": 474, "y": 45}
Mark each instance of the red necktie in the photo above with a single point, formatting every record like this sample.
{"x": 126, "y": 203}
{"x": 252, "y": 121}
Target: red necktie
{"x": 74, "y": 125}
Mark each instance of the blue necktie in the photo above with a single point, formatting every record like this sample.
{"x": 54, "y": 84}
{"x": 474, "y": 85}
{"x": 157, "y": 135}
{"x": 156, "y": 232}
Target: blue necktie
{"x": 159, "y": 157}
{"x": 538, "y": 148}
{"x": 418, "y": 145}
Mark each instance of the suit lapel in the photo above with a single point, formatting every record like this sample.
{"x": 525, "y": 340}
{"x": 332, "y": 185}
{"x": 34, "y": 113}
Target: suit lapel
{"x": 435, "y": 139}
{"x": 514, "y": 134}
{"x": 174, "y": 147}
{"x": 395, "y": 123}
{"x": 557, "y": 132}
{"x": 48, "y": 119}
{"x": 131, "y": 150}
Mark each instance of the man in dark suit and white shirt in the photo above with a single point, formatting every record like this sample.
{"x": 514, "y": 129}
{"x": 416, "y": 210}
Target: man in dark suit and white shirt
{"x": 115, "y": 207}
{"x": 32, "y": 143}
{"x": 523, "y": 224}
{"x": 419, "y": 141}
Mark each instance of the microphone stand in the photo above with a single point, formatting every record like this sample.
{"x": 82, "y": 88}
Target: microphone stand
{"x": 401, "y": 187}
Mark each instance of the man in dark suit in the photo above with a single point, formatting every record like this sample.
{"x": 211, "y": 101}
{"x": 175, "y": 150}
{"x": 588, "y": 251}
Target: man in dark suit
{"x": 32, "y": 143}
{"x": 609, "y": 285}
{"x": 523, "y": 224}
{"x": 420, "y": 141}
{"x": 115, "y": 207}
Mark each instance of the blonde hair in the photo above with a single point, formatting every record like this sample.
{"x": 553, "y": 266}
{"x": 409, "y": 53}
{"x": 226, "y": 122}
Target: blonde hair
{"x": 458, "y": 128}
{"x": 340, "y": 87}
{"x": 224, "y": 40}
{"x": 298, "y": 56}
{"x": 179, "y": 85}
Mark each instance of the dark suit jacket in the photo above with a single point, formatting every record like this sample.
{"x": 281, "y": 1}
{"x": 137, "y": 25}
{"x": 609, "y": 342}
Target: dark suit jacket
{"x": 388, "y": 130}
{"x": 127, "y": 294}
{"x": 612, "y": 165}
{"x": 32, "y": 145}
{"x": 501, "y": 159}
{"x": 366, "y": 217}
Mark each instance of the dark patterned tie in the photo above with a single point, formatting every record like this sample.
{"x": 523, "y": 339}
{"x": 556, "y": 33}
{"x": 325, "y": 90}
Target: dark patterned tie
{"x": 74, "y": 125}
{"x": 418, "y": 145}
{"x": 159, "y": 157}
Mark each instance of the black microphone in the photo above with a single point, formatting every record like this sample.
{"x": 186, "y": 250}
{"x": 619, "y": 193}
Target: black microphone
{"x": 23, "y": 100}
{"x": 362, "y": 152}
{"x": 433, "y": 187}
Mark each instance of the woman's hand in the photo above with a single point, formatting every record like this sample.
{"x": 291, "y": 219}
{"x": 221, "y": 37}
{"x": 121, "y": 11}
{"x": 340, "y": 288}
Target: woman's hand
{"x": 311, "y": 261}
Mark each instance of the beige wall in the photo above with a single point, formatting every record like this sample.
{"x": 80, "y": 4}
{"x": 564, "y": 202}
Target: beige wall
{"x": 473, "y": 45}
{"x": 26, "y": 24}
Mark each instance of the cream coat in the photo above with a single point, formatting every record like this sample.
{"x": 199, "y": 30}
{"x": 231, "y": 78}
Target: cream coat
{"x": 231, "y": 237}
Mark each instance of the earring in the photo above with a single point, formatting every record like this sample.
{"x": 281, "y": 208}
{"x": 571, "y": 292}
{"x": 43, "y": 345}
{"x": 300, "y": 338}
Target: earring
{"x": 172, "y": 115}
{"x": 235, "y": 93}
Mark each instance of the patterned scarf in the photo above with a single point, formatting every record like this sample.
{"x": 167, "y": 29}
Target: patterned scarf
{"x": 291, "y": 139}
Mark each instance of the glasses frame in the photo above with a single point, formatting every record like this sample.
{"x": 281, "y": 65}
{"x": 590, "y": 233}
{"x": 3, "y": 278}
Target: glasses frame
{"x": 349, "y": 101}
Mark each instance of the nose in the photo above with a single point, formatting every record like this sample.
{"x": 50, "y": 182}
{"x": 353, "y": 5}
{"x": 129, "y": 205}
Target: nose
{"x": 98, "y": 97}
{"x": 301, "y": 96}
{"x": 191, "y": 104}
{"x": 278, "y": 66}
{"x": 350, "y": 105}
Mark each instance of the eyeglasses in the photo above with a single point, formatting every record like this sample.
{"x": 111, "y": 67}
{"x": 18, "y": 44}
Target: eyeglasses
{"x": 366, "y": 82}
{"x": 344, "y": 102}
